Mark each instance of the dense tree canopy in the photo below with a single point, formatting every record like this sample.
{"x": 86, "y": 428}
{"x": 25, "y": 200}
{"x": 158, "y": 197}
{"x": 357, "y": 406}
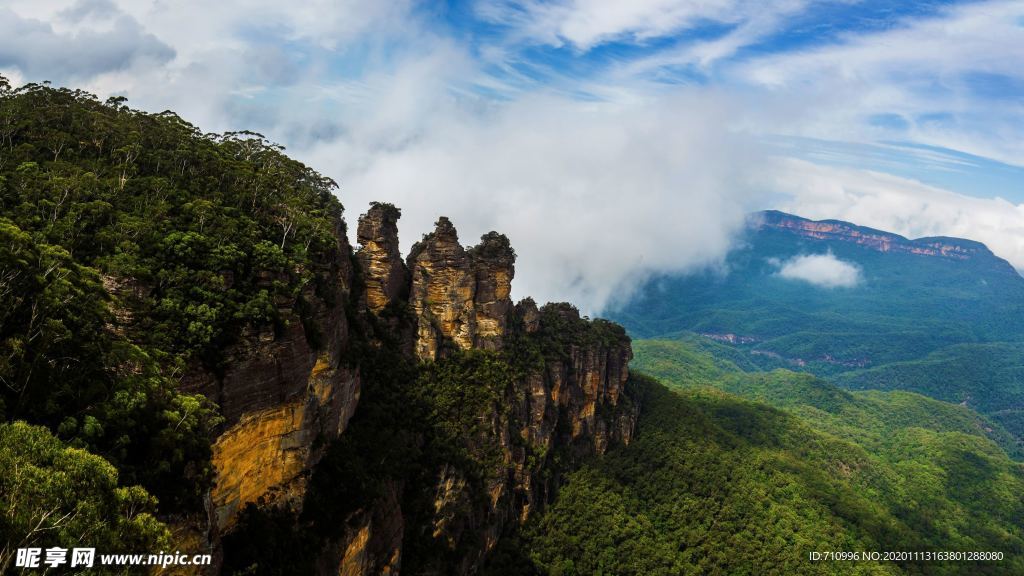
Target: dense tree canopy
{"x": 132, "y": 248}
{"x": 55, "y": 495}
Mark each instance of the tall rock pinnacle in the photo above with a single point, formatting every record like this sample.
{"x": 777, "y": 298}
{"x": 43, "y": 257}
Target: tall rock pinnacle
{"x": 460, "y": 298}
{"x": 385, "y": 274}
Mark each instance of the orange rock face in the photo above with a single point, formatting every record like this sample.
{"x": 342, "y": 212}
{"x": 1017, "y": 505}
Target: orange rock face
{"x": 265, "y": 454}
{"x": 461, "y": 298}
{"x": 279, "y": 392}
{"x": 874, "y": 239}
{"x": 383, "y": 270}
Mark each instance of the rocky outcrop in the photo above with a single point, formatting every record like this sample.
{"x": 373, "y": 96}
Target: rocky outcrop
{"x": 384, "y": 272}
{"x": 266, "y": 453}
{"x": 573, "y": 402}
{"x": 287, "y": 394}
{"x": 441, "y": 296}
{"x": 493, "y": 263}
{"x": 460, "y": 298}
{"x": 528, "y": 315}
{"x": 374, "y": 545}
{"x": 568, "y": 403}
{"x": 590, "y": 378}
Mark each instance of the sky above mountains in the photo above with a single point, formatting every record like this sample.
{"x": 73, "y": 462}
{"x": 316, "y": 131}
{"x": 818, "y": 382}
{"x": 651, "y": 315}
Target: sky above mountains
{"x": 608, "y": 139}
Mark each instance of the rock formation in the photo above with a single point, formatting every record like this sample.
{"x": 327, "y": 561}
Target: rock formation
{"x": 384, "y": 272}
{"x": 286, "y": 395}
{"x": 573, "y": 403}
{"x": 493, "y": 262}
{"x": 461, "y": 298}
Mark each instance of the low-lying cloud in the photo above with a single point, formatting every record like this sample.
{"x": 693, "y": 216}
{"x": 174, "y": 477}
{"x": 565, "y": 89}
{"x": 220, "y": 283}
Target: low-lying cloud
{"x": 594, "y": 197}
{"x": 823, "y": 270}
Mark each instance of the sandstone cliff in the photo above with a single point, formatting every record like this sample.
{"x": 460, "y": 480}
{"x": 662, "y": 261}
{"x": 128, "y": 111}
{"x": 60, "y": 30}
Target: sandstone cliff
{"x": 567, "y": 399}
{"x": 460, "y": 298}
{"x": 287, "y": 398}
{"x": 279, "y": 393}
{"x": 942, "y": 247}
{"x": 566, "y": 406}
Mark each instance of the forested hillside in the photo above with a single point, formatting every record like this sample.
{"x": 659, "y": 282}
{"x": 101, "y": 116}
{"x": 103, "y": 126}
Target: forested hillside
{"x": 746, "y": 473}
{"x": 133, "y": 245}
{"x": 988, "y": 377}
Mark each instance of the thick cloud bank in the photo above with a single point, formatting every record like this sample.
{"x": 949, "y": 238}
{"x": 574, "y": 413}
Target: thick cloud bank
{"x": 823, "y": 270}
{"x": 593, "y": 198}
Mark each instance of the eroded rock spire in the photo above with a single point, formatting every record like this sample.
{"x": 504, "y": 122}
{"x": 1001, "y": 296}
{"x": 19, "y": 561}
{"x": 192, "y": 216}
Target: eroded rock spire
{"x": 461, "y": 298}
{"x": 384, "y": 272}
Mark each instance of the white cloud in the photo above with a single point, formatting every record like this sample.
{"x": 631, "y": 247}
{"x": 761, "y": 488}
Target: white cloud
{"x": 36, "y": 48}
{"x": 823, "y": 270}
{"x": 222, "y": 53}
{"x": 594, "y": 197}
{"x": 977, "y": 36}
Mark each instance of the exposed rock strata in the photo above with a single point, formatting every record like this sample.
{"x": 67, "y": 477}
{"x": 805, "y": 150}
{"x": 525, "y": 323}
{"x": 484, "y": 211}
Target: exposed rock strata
{"x": 461, "y": 298}
{"x": 286, "y": 395}
{"x": 954, "y": 248}
{"x": 279, "y": 392}
{"x": 572, "y": 404}
{"x": 384, "y": 272}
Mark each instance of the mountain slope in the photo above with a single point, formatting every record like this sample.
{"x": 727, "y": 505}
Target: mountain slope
{"x": 867, "y": 417}
{"x": 714, "y": 484}
{"x": 988, "y": 377}
{"x": 746, "y": 473}
{"x": 941, "y": 316}
{"x": 929, "y": 300}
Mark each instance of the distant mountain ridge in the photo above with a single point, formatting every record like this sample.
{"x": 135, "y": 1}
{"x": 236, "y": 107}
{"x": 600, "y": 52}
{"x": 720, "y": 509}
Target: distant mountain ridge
{"x": 938, "y": 316}
{"x": 882, "y": 241}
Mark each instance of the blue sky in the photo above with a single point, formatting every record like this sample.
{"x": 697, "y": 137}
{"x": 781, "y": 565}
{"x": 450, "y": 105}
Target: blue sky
{"x": 609, "y": 139}
{"x": 566, "y": 54}
{"x": 560, "y": 63}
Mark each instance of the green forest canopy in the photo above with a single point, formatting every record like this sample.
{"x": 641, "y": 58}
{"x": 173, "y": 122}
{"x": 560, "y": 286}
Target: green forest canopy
{"x": 132, "y": 247}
